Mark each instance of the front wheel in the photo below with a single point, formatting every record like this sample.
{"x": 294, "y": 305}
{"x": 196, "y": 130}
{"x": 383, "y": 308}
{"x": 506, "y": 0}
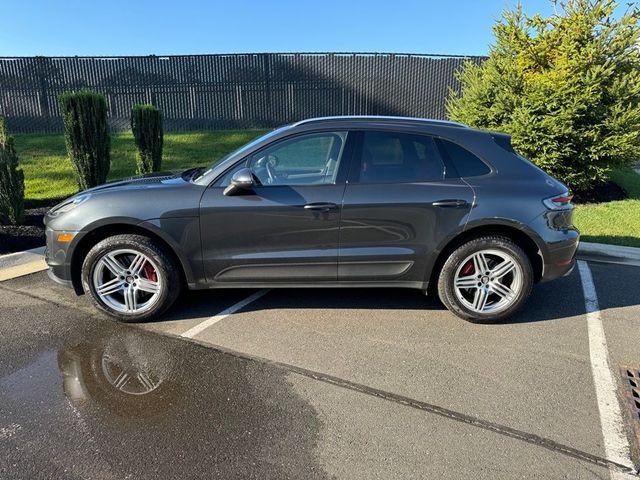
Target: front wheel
{"x": 486, "y": 279}
{"x": 130, "y": 277}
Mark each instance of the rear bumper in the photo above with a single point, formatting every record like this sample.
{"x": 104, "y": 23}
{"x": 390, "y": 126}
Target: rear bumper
{"x": 560, "y": 259}
{"x": 557, "y": 242}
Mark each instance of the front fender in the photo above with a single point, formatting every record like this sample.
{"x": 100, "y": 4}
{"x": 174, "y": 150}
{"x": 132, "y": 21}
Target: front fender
{"x": 183, "y": 237}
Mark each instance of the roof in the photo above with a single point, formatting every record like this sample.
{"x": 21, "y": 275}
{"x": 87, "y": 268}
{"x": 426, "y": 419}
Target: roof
{"x": 381, "y": 119}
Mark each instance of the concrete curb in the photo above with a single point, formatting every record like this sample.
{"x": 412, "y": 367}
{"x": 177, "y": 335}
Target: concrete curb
{"x": 600, "y": 252}
{"x": 17, "y": 258}
{"x": 18, "y": 264}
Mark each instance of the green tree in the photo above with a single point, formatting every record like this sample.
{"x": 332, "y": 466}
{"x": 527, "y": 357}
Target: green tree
{"x": 86, "y": 136}
{"x": 566, "y": 87}
{"x": 11, "y": 180}
{"x": 146, "y": 124}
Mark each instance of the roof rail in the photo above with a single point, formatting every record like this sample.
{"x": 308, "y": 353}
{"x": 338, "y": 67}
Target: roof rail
{"x": 382, "y": 118}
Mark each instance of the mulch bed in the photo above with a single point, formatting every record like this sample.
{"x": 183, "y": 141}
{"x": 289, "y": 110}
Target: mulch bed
{"x": 602, "y": 192}
{"x": 31, "y": 234}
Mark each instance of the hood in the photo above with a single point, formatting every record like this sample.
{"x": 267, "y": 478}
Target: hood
{"x": 135, "y": 182}
{"x": 151, "y": 180}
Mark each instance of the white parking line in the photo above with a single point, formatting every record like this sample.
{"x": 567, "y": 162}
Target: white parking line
{"x": 616, "y": 444}
{"x": 192, "y": 332}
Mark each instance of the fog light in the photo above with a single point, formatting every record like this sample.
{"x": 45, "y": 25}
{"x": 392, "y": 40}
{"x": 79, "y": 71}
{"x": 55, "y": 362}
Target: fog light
{"x": 65, "y": 237}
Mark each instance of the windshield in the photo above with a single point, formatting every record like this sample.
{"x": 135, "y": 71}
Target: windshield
{"x": 245, "y": 147}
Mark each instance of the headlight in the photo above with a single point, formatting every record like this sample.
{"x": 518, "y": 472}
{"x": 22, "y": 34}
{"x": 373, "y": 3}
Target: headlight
{"x": 68, "y": 205}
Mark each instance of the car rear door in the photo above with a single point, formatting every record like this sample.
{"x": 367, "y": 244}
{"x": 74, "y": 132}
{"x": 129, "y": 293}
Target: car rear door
{"x": 398, "y": 207}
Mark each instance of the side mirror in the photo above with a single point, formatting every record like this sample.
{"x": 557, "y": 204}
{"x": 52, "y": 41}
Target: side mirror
{"x": 243, "y": 179}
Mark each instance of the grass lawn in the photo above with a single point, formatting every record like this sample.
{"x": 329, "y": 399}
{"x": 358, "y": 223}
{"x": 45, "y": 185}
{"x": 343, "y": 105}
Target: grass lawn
{"x": 49, "y": 174}
{"x": 617, "y": 223}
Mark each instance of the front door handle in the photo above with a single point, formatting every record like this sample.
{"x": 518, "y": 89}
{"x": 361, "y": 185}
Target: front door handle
{"x": 450, "y": 203}
{"x": 321, "y": 206}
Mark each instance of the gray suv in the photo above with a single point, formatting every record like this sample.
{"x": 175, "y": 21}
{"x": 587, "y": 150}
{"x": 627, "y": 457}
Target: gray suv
{"x": 327, "y": 202}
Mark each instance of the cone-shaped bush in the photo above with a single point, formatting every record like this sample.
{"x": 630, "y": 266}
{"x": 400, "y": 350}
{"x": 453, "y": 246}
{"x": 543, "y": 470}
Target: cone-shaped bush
{"x": 11, "y": 180}
{"x": 86, "y": 135}
{"x": 146, "y": 124}
{"x": 566, "y": 87}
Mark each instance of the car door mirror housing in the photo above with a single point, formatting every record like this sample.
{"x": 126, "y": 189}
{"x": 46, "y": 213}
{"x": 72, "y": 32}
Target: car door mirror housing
{"x": 242, "y": 180}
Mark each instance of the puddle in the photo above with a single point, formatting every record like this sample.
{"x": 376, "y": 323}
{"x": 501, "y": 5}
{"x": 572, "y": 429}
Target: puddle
{"x": 125, "y": 403}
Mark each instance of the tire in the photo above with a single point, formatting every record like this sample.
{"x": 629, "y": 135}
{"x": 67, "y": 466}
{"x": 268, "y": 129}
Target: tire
{"x": 143, "y": 289}
{"x": 481, "y": 298}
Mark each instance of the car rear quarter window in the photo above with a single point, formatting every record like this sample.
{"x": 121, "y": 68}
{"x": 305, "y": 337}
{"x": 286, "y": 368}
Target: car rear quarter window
{"x": 459, "y": 161}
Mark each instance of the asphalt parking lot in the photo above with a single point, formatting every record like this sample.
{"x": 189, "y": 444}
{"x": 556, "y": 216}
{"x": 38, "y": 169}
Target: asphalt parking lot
{"x": 315, "y": 384}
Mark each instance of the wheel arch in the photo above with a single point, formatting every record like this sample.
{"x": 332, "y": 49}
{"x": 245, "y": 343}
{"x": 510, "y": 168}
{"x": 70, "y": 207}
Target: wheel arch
{"x": 523, "y": 239}
{"x": 95, "y": 235}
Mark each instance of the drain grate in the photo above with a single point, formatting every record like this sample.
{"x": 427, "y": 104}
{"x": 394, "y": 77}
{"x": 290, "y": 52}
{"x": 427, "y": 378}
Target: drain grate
{"x": 631, "y": 393}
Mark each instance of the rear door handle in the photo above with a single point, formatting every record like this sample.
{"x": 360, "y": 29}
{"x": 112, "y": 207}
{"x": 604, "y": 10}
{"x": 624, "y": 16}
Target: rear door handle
{"x": 450, "y": 203}
{"x": 321, "y": 206}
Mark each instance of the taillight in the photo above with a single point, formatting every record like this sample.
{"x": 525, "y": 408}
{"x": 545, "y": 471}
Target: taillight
{"x": 559, "y": 202}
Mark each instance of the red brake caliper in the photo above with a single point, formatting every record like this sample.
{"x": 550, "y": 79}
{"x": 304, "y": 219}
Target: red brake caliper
{"x": 149, "y": 272}
{"x": 468, "y": 268}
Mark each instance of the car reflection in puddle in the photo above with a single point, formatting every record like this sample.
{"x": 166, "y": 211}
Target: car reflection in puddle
{"x": 139, "y": 405}
{"x": 129, "y": 377}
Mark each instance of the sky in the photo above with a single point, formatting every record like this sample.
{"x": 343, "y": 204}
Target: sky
{"x": 161, "y": 27}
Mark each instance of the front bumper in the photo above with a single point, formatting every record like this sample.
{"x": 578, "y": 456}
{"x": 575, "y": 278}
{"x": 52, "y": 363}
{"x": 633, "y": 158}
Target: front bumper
{"x": 58, "y": 280}
{"x": 58, "y": 257}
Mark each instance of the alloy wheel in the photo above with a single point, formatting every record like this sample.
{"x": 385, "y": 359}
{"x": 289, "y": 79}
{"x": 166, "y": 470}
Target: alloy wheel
{"x": 127, "y": 281}
{"x": 488, "y": 281}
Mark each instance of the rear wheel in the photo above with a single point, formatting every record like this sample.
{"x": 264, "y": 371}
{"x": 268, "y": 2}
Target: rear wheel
{"x": 486, "y": 279}
{"x": 131, "y": 277}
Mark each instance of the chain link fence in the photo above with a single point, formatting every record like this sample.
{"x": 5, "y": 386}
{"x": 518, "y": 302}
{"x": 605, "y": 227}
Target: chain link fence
{"x": 198, "y": 92}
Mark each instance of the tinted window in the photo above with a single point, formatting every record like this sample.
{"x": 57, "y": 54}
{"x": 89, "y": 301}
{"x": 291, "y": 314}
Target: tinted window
{"x": 460, "y": 162}
{"x": 389, "y": 157}
{"x": 305, "y": 160}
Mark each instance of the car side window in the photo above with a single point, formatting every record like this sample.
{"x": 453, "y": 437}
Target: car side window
{"x": 391, "y": 157}
{"x": 460, "y": 162}
{"x": 312, "y": 159}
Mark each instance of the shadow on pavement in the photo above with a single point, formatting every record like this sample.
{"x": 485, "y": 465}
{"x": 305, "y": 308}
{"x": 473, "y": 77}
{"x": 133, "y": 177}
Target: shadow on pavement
{"x": 617, "y": 285}
{"x": 549, "y": 301}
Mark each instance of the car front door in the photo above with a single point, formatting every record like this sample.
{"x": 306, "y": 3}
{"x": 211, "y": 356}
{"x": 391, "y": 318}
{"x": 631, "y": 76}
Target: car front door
{"x": 398, "y": 207}
{"x": 286, "y": 228}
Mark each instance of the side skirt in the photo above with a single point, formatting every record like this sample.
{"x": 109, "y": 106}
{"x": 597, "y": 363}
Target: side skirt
{"x": 317, "y": 284}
